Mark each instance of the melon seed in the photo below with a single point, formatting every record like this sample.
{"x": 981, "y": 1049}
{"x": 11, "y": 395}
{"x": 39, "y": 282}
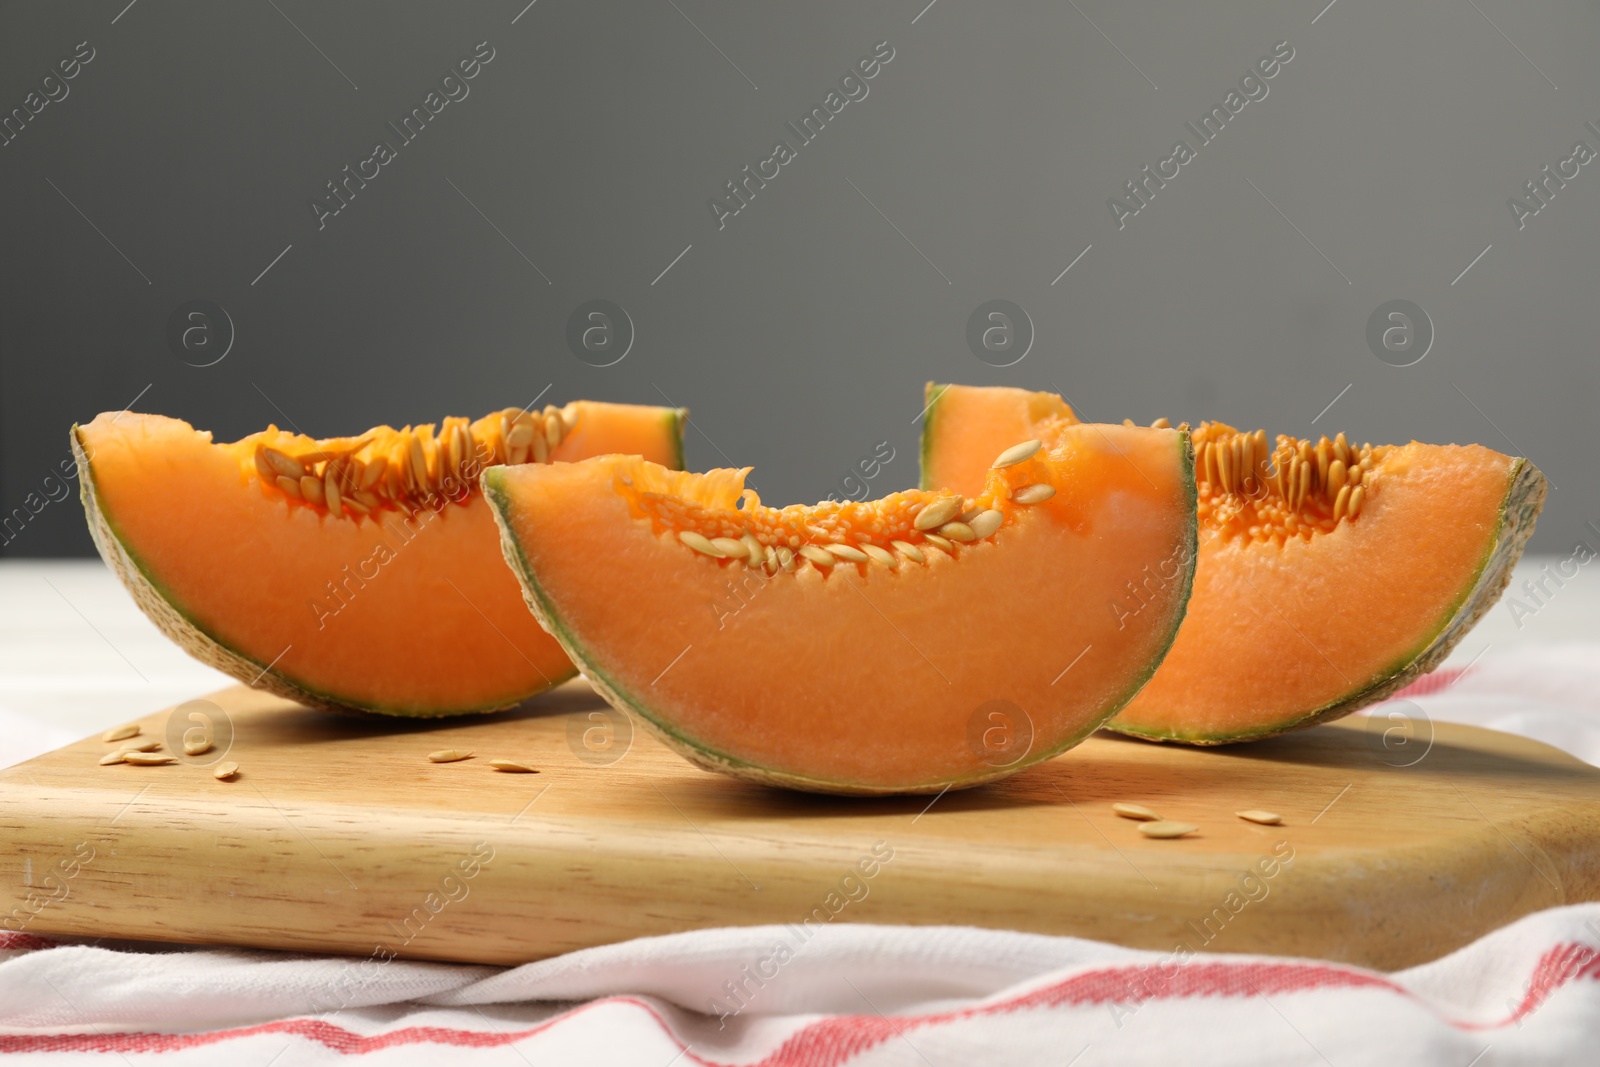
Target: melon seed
{"x": 985, "y": 523}
{"x": 196, "y": 748}
{"x": 1164, "y": 829}
{"x": 119, "y": 733}
{"x": 730, "y": 547}
{"x": 1265, "y": 818}
{"x": 1136, "y": 811}
{"x": 146, "y": 759}
{"x": 1015, "y": 454}
{"x": 448, "y": 755}
{"x": 330, "y": 490}
{"x": 817, "y": 555}
{"x": 1034, "y": 494}
{"x": 700, "y": 543}
{"x": 225, "y": 770}
{"x": 284, "y": 464}
{"x": 879, "y": 555}
{"x": 938, "y": 542}
{"x": 511, "y": 766}
{"x": 938, "y": 513}
{"x": 113, "y": 757}
{"x": 909, "y": 551}
{"x": 958, "y": 531}
{"x": 849, "y": 552}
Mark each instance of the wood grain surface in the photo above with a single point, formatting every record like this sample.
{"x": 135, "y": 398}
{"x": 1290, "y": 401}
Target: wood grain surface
{"x": 1401, "y": 841}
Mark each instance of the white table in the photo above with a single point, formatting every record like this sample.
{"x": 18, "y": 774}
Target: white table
{"x": 77, "y": 655}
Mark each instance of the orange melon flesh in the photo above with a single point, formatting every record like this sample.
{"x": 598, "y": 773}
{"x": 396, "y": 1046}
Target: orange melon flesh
{"x": 967, "y": 422}
{"x": 1302, "y": 613}
{"x": 877, "y": 675}
{"x": 408, "y": 610}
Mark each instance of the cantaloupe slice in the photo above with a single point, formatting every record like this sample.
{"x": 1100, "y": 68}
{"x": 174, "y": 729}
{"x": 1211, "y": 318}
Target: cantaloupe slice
{"x": 909, "y": 644}
{"x": 1329, "y": 575}
{"x": 361, "y": 572}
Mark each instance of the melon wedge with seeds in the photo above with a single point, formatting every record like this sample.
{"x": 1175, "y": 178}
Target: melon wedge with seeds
{"x": 1329, "y": 577}
{"x": 354, "y": 573}
{"x": 905, "y": 645}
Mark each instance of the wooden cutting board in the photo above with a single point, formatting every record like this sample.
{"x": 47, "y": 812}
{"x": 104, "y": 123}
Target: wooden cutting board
{"x": 1401, "y": 840}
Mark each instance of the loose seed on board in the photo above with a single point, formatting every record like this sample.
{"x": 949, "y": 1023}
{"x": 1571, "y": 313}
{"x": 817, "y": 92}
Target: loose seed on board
{"x": 938, "y": 513}
{"x": 225, "y": 770}
{"x": 985, "y": 523}
{"x": 146, "y": 759}
{"x": 448, "y": 755}
{"x": 1265, "y": 818}
{"x": 1136, "y": 811}
{"x": 730, "y": 547}
{"x": 1034, "y": 494}
{"x": 511, "y": 766}
{"x": 849, "y": 552}
{"x": 1015, "y": 454}
{"x": 121, "y": 733}
{"x": 700, "y": 543}
{"x": 1164, "y": 829}
{"x": 958, "y": 531}
{"x": 196, "y": 748}
{"x": 817, "y": 556}
{"x": 879, "y": 555}
{"x": 123, "y": 750}
{"x": 909, "y": 551}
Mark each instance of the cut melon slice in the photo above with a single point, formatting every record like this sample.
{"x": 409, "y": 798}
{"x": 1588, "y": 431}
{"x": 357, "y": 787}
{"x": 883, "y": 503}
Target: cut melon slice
{"x": 904, "y": 645}
{"x": 1330, "y": 576}
{"x": 360, "y": 572}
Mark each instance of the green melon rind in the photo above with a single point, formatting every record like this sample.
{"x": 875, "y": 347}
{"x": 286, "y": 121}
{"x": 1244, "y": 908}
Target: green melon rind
{"x": 1525, "y": 495}
{"x": 163, "y": 608}
{"x": 677, "y": 420}
{"x": 714, "y": 760}
{"x": 932, "y": 393}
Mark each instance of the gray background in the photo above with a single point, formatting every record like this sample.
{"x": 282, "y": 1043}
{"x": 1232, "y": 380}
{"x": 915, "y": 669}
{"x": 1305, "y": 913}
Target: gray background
{"x": 800, "y": 335}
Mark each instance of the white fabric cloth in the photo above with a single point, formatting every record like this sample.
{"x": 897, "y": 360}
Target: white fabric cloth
{"x": 1528, "y": 993}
